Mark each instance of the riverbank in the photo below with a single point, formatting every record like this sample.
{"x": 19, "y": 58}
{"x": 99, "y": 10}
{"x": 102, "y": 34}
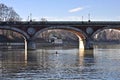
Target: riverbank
{"x": 38, "y": 45}
{"x": 105, "y": 43}
{"x": 49, "y": 45}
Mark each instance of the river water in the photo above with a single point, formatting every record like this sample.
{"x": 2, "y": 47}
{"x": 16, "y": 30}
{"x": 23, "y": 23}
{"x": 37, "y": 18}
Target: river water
{"x": 102, "y": 63}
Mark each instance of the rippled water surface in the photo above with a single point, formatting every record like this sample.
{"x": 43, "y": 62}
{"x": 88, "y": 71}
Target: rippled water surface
{"x": 102, "y": 63}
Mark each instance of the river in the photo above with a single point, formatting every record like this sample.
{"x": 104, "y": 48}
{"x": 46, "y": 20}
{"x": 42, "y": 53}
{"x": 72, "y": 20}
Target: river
{"x": 102, "y": 63}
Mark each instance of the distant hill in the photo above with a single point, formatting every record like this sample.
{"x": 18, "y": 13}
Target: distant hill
{"x": 108, "y": 35}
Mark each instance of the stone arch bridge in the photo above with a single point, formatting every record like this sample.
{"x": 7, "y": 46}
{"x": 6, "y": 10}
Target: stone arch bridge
{"x": 85, "y": 30}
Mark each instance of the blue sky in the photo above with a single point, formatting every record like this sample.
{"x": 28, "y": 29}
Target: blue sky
{"x": 70, "y": 10}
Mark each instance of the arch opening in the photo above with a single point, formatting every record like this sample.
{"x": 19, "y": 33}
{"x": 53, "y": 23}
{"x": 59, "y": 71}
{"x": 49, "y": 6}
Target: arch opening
{"x": 10, "y": 39}
{"x": 107, "y": 35}
{"x": 24, "y": 34}
{"x": 78, "y": 34}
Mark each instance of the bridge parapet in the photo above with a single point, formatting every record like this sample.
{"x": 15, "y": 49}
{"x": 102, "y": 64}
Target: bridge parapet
{"x": 60, "y": 23}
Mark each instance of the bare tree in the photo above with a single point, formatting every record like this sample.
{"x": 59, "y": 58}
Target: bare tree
{"x": 8, "y": 14}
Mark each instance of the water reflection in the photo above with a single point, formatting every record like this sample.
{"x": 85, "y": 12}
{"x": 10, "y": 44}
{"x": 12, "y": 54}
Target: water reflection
{"x": 44, "y": 63}
{"x": 67, "y": 63}
{"x": 11, "y": 62}
{"x": 86, "y": 57}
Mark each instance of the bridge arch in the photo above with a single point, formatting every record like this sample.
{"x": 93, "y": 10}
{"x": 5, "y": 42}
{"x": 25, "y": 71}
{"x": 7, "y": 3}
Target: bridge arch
{"x": 102, "y": 29}
{"x": 78, "y": 32}
{"x": 25, "y": 35}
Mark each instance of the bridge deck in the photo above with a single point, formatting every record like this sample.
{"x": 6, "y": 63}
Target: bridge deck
{"x": 60, "y": 23}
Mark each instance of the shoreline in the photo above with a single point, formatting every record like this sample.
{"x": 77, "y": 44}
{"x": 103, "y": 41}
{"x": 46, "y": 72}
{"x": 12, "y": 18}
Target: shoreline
{"x": 107, "y": 43}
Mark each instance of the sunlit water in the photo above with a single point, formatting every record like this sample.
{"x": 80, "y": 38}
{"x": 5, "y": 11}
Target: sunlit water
{"x": 103, "y": 63}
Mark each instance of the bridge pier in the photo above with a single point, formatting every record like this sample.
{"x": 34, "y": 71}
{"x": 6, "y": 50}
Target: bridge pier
{"x": 31, "y": 45}
{"x": 89, "y": 44}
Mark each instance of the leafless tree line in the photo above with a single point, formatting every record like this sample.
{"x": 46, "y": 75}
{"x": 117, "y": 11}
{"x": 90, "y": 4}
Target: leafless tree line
{"x": 108, "y": 35}
{"x": 8, "y": 13}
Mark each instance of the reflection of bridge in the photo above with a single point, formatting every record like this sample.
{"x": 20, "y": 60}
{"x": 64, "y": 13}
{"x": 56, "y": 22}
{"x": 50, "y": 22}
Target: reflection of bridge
{"x": 84, "y": 30}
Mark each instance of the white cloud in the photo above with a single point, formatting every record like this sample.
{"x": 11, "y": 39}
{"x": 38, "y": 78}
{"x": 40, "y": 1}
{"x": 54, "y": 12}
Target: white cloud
{"x": 76, "y": 9}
